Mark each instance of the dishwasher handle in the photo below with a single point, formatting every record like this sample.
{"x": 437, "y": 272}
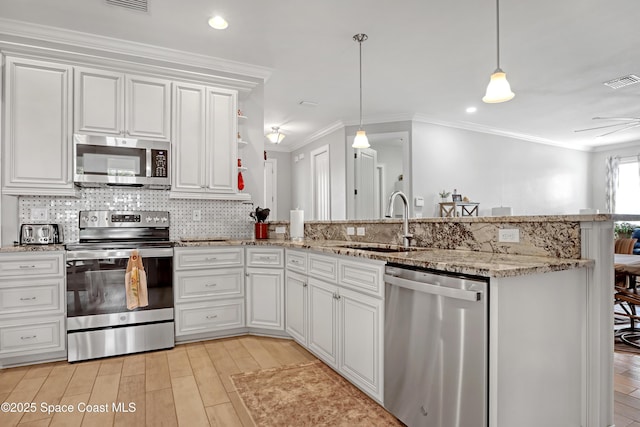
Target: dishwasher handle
{"x": 429, "y": 288}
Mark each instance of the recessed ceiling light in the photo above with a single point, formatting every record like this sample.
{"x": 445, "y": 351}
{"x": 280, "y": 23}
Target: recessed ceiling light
{"x": 471, "y": 109}
{"x": 218, "y": 22}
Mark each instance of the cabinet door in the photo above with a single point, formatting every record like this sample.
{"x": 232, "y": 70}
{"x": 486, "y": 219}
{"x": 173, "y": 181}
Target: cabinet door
{"x": 323, "y": 326}
{"x": 221, "y": 141}
{"x": 361, "y": 346}
{"x": 265, "y": 298}
{"x": 37, "y": 139}
{"x": 99, "y": 102}
{"x": 189, "y": 161}
{"x": 147, "y": 108}
{"x": 296, "y": 306}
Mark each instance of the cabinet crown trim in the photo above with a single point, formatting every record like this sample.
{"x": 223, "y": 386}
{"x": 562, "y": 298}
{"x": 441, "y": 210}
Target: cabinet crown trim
{"x": 74, "y": 39}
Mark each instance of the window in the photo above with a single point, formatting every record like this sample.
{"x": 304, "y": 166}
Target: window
{"x": 628, "y": 191}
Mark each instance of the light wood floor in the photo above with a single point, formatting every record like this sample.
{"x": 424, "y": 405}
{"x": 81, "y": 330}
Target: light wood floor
{"x": 190, "y": 386}
{"x": 187, "y": 386}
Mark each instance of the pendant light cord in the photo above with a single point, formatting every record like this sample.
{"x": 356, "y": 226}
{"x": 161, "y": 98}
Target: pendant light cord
{"x": 360, "y": 38}
{"x": 360, "y": 43}
{"x": 498, "y": 32}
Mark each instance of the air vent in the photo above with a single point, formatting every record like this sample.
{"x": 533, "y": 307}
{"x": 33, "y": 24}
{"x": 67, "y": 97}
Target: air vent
{"x": 140, "y": 5}
{"x": 623, "y": 81}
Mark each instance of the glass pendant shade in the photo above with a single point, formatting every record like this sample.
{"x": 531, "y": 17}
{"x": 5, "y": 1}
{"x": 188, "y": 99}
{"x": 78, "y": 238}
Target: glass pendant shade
{"x": 361, "y": 140}
{"x": 275, "y": 136}
{"x": 498, "y": 89}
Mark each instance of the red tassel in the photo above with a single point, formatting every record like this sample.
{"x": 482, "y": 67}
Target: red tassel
{"x": 240, "y": 181}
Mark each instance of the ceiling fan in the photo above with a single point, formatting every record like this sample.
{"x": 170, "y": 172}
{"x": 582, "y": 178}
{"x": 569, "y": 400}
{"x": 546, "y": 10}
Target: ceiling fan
{"x": 626, "y": 123}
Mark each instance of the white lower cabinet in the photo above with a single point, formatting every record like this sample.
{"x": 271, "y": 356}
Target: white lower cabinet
{"x": 296, "y": 306}
{"x": 340, "y": 325}
{"x": 208, "y": 291}
{"x": 265, "y": 288}
{"x": 32, "y": 307}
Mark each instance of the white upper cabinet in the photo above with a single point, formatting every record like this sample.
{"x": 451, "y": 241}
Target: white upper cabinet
{"x": 204, "y": 143}
{"x": 37, "y": 124}
{"x": 111, "y": 103}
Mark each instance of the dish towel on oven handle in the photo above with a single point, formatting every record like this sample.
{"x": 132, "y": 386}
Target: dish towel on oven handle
{"x": 136, "y": 282}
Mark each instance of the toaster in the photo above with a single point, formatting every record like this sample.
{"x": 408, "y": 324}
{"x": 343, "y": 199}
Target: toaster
{"x": 40, "y": 234}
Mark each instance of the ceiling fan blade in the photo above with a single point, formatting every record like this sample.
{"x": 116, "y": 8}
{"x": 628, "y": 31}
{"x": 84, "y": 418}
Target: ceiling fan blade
{"x": 616, "y": 118}
{"x": 631, "y": 126}
{"x": 606, "y": 126}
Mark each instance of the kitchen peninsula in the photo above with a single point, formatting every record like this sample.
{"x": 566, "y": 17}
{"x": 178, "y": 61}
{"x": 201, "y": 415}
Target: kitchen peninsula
{"x": 550, "y": 322}
{"x": 551, "y": 316}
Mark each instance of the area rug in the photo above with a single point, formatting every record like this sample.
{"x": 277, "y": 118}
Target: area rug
{"x": 310, "y": 394}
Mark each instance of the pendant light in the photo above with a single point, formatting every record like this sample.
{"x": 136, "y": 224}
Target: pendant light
{"x": 361, "y": 140}
{"x": 498, "y": 89}
{"x": 275, "y": 136}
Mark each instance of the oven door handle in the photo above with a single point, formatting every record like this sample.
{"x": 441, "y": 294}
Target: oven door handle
{"x": 119, "y": 253}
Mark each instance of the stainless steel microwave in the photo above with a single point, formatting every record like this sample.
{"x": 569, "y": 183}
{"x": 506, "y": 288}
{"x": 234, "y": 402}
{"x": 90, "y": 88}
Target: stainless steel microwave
{"x": 105, "y": 160}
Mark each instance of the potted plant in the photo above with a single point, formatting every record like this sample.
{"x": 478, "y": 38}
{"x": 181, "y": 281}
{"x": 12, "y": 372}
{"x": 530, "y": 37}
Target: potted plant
{"x": 623, "y": 230}
{"x": 443, "y": 195}
{"x": 261, "y": 228}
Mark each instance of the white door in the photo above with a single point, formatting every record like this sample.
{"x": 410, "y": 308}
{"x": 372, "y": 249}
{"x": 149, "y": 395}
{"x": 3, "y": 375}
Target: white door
{"x": 296, "y": 306}
{"x": 320, "y": 184}
{"x": 323, "y": 321}
{"x": 361, "y": 347}
{"x": 265, "y": 298}
{"x": 271, "y": 187}
{"x": 366, "y": 192}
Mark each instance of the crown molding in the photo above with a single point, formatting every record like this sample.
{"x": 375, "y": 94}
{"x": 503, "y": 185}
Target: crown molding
{"x": 474, "y": 127}
{"x": 118, "y": 46}
{"x": 317, "y": 135}
{"x": 617, "y": 146}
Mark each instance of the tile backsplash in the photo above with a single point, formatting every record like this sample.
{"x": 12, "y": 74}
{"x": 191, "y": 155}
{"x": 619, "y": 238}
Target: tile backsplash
{"x": 219, "y": 218}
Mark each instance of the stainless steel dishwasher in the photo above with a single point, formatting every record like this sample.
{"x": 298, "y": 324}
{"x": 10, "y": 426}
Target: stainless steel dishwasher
{"x": 435, "y": 348}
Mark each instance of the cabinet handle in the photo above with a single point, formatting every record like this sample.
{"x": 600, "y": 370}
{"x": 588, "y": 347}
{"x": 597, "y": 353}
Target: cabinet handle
{"x": 246, "y": 274}
{"x": 304, "y": 285}
{"x": 210, "y": 285}
{"x": 28, "y": 338}
{"x": 24, "y": 267}
{"x": 211, "y": 258}
{"x": 295, "y": 261}
{"x": 212, "y": 316}
{"x": 28, "y": 299}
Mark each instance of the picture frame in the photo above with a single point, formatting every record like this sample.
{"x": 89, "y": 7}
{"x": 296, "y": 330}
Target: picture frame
{"x": 456, "y": 197}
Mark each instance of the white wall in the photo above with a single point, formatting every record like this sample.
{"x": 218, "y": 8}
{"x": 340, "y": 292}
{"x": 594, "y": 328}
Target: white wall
{"x": 598, "y": 196}
{"x": 301, "y": 175}
{"x": 283, "y": 176}
{"x": 531, "y": 178}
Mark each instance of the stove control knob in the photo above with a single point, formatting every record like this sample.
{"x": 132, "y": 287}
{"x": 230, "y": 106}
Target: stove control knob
{"x": 148, "y": 219}
{"x": 93, "y": 218}
{"x": 156, "y": 219}
{"x": 84, "y": 218}
{"x": 164, "y": 219}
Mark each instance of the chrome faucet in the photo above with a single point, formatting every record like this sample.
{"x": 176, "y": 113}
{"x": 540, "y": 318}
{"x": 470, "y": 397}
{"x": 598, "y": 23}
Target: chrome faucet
{"x": 406, "y": 236}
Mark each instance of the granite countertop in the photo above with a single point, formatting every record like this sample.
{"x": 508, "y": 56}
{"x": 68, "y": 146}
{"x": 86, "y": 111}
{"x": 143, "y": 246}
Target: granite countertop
{"x": 31, "y": 248}
{"x": 455, "y": 261}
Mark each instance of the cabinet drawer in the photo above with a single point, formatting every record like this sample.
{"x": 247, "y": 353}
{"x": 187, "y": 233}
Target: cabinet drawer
{"x": 19, "y": 338}
{"x": 362, "y": 276}
{"x": 194, "y": 258}
{"x": 218, "y": 283}
{"x": 296, "y": 261}
{"x": 33, "y": 297}
{"x": 265, "y": 257}
{"x": 323, "y": 267}
{"x": 31, "y": 264}
{"x": 196, "y": 318}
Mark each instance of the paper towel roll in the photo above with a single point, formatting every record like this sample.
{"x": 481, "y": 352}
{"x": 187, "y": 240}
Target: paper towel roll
{"x": 296, "y": 224}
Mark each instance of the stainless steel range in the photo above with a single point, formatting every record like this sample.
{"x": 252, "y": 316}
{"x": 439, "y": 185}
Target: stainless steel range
{"x": 98, "y": 321}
